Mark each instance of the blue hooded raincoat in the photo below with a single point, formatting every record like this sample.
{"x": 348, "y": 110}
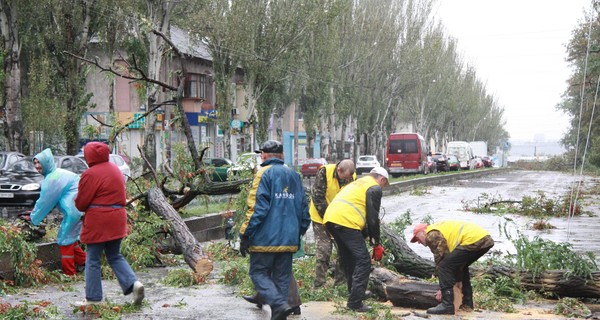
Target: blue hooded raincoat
{"x": 59, "y": 190}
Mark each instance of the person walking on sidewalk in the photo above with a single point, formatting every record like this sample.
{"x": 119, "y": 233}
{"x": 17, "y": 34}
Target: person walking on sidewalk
{"x": 329, "y": 180}
{"x": 59, "y": 189}
{"x": 102, "y": 197}
{"x": 350, "y": 217}
{"x": 455, "y": 246}
{"x": 277, "y": 217}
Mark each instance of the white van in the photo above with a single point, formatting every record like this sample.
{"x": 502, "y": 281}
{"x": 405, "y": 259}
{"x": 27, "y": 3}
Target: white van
{"x": 463, "y": 151}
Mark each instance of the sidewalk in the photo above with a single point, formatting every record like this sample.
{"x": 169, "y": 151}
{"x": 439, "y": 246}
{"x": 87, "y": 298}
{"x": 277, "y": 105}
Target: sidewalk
{"x": 207, "y": 301}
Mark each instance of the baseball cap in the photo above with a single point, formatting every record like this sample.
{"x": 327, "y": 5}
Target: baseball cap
{"x": 381, "y": 171}
{"x": 418, "y": 228}
{"x": 270, "y": 146}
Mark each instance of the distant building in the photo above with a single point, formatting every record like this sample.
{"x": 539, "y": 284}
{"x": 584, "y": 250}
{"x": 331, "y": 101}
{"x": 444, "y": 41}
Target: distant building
{"x": 534, "y": 150}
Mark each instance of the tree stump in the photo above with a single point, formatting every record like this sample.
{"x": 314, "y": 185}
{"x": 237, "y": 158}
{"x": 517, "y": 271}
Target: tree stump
{"x": 192, "y": 251}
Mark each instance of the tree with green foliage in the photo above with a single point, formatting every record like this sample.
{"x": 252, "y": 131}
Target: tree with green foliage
{"x": 582, "y": 92}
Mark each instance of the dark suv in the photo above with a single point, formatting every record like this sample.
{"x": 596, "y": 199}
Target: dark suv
{"x": 441, "y": 161}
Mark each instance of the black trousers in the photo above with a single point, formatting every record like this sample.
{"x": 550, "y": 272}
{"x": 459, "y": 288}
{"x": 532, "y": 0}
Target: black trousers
{"x": 455, "y": 267}
{"x": 354, "y": 259}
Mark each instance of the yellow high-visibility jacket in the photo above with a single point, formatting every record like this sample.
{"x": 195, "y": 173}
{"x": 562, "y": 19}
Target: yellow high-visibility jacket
{"x": 458, "y": 233}
{"x": 333, "y": 187}
{"x": 349, "y": 207}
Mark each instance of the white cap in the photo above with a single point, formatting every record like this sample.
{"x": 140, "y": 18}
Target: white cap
{"x": 381, "y": 171}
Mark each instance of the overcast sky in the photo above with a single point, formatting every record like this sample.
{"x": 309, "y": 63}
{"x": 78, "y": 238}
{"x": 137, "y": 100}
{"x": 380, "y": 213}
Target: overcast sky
{"x": 518, "y": 48}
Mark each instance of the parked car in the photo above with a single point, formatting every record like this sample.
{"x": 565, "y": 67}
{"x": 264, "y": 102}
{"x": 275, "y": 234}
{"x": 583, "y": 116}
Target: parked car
{"x": 453, "y": 163}
{"x": 9, "y": 157}
{"x": 487, "y": 162}
{"x": 477, "y": 163}
{"x": 218, "y": 168}
{"x": 311, "y": 166}
{"x": 366, "y": 163}
{"x": 249, "y": 162}
{"x": 118, "y": 160}
{"x": 431, "y": 165}
{"x": 20, "y": 182}
{"x": 122, "y": 164}
{"x": 71, "y": 163}
{"x": 441, "y": 161}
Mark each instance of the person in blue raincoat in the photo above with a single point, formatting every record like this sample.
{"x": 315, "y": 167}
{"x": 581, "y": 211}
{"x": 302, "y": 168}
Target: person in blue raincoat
{"x": 59, "y": 189}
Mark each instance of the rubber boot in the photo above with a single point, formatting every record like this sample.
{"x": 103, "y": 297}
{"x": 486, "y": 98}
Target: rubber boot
{"x": 447, "y": 305}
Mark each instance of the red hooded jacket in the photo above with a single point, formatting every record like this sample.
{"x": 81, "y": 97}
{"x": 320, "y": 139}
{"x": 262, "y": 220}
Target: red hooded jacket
{"x": 102, "y": 197}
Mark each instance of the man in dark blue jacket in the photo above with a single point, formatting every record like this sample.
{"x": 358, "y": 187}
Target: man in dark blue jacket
{"x": 277, "y": 217}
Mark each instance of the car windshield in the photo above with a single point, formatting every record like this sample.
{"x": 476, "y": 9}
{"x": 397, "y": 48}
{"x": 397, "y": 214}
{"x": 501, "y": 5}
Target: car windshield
{"x": 25, "y": 165}
{"x": 364, "y": 158}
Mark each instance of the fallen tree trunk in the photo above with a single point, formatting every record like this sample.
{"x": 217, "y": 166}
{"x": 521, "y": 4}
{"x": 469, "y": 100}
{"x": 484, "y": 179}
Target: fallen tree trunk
{"x": 555, "y": 282}
{"x": 405, "y": 292}
{"x": 192, "y": 251}
{"x": 406, "y": 261}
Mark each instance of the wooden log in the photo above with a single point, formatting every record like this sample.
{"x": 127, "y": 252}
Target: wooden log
{"x": 405, "y": 292}
{"x": 193, "y": 254}
{"x": 558, "y": 283}
{"x": 406, "y": 261}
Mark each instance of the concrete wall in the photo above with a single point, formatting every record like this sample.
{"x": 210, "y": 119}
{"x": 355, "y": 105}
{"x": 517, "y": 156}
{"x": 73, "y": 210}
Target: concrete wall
{"x": 205, "y": 228}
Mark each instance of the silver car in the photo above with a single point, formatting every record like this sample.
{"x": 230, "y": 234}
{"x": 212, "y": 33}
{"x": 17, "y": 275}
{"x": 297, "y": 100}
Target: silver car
{"x": 123, "y": 166}
{"x": 119, "y": 161}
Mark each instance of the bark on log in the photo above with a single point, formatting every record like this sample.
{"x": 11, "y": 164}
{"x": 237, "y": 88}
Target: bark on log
{"x": 406, "y": 261}
{"x": 192, "y": 251}
{"x": 555, "y": 282}
{"x": 404, "y": 292}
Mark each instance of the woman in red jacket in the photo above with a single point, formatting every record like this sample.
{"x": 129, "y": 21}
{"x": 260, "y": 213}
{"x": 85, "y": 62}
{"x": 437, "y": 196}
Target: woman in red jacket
{"x": 102, "y": 197}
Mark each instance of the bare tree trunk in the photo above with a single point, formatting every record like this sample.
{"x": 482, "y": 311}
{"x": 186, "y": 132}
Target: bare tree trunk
{"x": 13, "y": 131}
{"x": 192, "y": 251}
{"x": 159, "y": 13}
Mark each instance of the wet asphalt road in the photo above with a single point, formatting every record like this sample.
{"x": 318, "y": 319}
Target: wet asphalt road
{"x": 218, "y": 302}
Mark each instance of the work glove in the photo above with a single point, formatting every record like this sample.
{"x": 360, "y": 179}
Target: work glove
{"x": 378, "y": 252}
{"x": 244, "y": 246}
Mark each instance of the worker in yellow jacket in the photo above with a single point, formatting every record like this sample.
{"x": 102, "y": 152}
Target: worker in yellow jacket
{"x": 330, "y": 179}
{"x": 350, "y": 217}
{"x": 455, "y": 246}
